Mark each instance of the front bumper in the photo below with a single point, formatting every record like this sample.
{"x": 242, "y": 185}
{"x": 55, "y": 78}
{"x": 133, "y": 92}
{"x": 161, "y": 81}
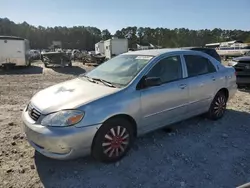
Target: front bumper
{"x": 59, "y": 142}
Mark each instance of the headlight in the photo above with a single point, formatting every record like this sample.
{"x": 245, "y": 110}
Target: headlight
{"x": 232, "y": 63}
{"x": 63, "y": 118}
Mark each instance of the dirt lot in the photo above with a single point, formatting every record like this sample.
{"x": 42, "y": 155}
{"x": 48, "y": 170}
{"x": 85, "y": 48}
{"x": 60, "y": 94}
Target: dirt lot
{"x": 197, "y": 153}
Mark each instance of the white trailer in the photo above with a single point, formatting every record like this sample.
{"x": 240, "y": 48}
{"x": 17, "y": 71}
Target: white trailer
{"x": 99, "y": 48}
{"x": 114, "y": 47}
{"x": 14, "y": 51}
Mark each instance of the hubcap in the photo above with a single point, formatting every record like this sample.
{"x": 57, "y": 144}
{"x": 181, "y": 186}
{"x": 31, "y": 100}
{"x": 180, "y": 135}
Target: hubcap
{"x": 220, "y": 106}
{"x": 115, "y": 141}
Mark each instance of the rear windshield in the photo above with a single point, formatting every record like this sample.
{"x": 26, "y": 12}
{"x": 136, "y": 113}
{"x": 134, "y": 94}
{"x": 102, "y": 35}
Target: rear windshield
{"x": 210, "y": 52}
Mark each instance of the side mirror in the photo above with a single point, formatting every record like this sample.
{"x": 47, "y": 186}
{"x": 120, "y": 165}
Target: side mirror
{"x": 152, "y": 81}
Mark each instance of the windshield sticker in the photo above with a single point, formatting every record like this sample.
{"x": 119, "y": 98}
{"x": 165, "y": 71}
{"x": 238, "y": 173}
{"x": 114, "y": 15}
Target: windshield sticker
{"x": 144, "y": 57}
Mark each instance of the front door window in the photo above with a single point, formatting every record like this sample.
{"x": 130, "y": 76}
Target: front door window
{"x": 168, "y": 69}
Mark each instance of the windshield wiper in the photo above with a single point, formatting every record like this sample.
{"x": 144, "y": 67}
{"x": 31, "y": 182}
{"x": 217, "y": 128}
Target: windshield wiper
{"x": 96, "y": 80}
{"x": 88, "y": 78}
{"x": 107, "y": 83}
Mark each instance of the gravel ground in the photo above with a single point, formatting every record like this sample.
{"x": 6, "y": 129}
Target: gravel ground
{"x": 194, "y": 153}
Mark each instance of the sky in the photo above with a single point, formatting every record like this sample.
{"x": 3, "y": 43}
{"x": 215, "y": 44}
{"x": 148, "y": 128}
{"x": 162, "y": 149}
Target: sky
{"x": 116, "y": 14}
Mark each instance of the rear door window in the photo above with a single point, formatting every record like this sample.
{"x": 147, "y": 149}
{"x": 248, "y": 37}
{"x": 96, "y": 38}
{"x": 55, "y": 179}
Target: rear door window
{"x": 198, "y": 65}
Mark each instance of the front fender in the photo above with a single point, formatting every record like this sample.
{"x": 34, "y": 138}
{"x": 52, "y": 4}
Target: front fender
{"x": 99, "y": 111}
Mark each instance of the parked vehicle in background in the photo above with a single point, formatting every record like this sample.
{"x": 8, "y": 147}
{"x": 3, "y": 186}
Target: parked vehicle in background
{"x": 230, "y": 49}
{"x": 34, "y": 55}
{"x": 236, "y": 49}
{"x": 91, "y": 52}
{"x": 99, "y": 47}
{"x": 75, "y": 54}
{"x": 56, "y": 58}
{"x": 209, "y": 51}
{"x": 14, "y": 51}
{"x": 101, "y": 112}
{"x": 93, "y": 58}
{"x": 115, "y": 46}
{"x": 242, "y": 67}
{"x": 69, "y": 52}
{"x": 45, "y": 50}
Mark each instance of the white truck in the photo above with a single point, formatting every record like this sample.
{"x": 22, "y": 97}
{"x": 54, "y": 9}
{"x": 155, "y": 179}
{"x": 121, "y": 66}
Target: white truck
{"x": 114, "y": 47}
{"x": 14, "y": 51}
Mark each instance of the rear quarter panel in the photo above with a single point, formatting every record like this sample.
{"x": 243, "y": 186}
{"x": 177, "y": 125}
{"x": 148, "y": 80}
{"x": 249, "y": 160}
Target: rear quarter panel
{"x": 225, "y": 76}
{"x": 227, "y": 79}
{"x": 231, "y": 81}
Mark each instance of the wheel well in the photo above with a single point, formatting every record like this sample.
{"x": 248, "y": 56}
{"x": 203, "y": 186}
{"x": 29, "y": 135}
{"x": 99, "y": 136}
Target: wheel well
{"x": 127, "y": 117}
{"x": 121, "y": 116}
{"x": 225, "y": 91}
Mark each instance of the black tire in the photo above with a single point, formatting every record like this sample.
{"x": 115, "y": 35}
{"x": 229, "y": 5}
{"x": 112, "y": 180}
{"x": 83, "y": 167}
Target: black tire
{"x": 106, "y": 150}
{"x": 70, "y": 64}
{"x": 218, "y": 106}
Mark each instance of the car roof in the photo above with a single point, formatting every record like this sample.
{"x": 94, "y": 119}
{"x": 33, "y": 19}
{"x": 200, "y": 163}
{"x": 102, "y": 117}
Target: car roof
{"x": 155, "y": 52}
{"x": 198, "y": 48}
{"x": 192, "y": 47}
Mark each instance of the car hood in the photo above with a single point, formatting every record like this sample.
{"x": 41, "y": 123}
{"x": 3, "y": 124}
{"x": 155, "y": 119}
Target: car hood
{"x": 69, "y": 95}
{"x": 243, "y": 58}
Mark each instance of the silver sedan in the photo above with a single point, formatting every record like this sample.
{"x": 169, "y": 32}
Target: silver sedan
{"x": 103, "y": 111}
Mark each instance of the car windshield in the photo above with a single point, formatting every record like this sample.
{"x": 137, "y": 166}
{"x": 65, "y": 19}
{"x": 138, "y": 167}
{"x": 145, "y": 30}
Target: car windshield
{"x": 119, "y": 70}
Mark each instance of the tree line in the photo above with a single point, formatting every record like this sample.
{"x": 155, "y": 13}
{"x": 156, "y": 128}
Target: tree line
{"x": 84, "y": 38}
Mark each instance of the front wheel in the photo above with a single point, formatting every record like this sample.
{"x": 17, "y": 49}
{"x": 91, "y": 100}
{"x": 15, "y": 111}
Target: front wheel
{"x": 218, "y": 106}
{"x": 113, "y": 140}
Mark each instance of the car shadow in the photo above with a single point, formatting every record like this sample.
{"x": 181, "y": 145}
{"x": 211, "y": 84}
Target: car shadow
{"x": 22, "y": 70}
{"x": 194, "y": 150}
{"x": 74, "y": 70}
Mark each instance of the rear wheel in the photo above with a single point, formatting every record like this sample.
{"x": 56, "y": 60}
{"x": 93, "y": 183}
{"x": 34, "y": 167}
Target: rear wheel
{"x": 218, "y": 106}
{"x": 113, "y": 140}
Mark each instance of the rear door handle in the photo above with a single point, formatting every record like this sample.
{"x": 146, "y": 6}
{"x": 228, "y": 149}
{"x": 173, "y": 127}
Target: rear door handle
{"x": 183, "y": 86}
{"x": 213, "y": 78}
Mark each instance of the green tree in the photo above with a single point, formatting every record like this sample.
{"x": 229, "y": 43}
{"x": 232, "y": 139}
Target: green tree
{"x": 84, "y": 38}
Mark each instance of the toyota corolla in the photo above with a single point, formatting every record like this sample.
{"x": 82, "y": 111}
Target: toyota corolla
{"x": 103, "y": 111}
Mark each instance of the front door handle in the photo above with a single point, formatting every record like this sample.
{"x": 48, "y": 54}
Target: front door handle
{"x": 183, "y": 86}
{"x": 213, "y": 78}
